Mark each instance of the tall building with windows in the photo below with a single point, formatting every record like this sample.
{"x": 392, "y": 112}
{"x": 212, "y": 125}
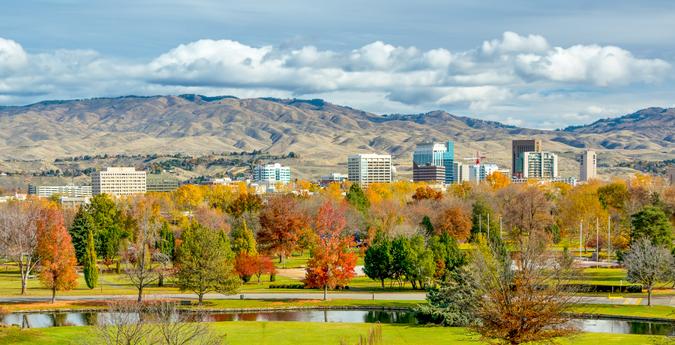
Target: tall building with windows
{"x": 436, "y": 155}
{"x": 538, "y": 165}
{"x": 71, "y": 191}
{"x": 271, "y": 173}
{"x": 161, "y": 183}
{"x": 588, "y": 166}
{"x": 118, "y": 181}
{"x": 365, "y": 169}
{"x": 461, "y": 172}
{"x": 478, "y": 173}
{"x": 517, "y": 148}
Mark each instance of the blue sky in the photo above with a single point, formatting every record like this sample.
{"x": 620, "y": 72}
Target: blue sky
{"x": 542, "y": 64}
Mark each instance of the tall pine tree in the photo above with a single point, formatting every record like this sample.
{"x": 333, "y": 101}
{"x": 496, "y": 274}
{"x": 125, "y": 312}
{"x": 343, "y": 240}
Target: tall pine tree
{"x": 90, "y": 266}
{"x": 79, "y": 230}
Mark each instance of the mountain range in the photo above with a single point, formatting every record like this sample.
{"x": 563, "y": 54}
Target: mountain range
{"x": 320, "y": 133}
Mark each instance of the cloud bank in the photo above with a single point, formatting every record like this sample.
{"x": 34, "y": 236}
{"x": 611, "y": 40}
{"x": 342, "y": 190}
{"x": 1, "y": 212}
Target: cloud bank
{"x": 494, "y": 80}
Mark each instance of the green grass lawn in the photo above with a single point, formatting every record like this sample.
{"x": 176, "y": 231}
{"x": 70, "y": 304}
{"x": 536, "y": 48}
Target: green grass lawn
{"x": 301, "y": 333}
{"x": 662, "y": 312}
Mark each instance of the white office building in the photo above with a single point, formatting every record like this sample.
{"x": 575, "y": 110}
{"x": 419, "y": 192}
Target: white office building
{"x": 71, "y": 191}
{"x": 365, "y": 169}
{"x": 118, "y": 181}
{"x": 461, "y": 172}
{"x": 478, "y": 173}
{"x": 538, "y": 165}
{"x": 271, "y": 174}
{"x": 588, "y": 166}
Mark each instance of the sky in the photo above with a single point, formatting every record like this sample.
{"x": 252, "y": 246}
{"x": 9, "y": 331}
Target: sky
{"x": 538, "y": 64}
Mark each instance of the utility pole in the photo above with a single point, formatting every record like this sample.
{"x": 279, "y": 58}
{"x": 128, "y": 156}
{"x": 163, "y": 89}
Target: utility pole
{"x": 581, "y": 236}
{"x": 480, "y": 224}
{"x": 609, "y": 238}
{"x": 500, "y": 227}
{"x": 597, "y": 242}
{"x": 488, "y": 224}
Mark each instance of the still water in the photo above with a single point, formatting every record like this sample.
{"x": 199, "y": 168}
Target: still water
{"x": 41, "y": 320}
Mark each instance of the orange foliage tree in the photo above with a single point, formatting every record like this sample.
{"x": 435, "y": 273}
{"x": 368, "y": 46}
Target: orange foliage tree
{"x": 425, "y": 193}
{"x": 455, "y": 222}
{"x": 497, "y": 180}
{"x": 56, "y": 251}
{"x": 281, "y": 224}
{"x": 332, "y": 263}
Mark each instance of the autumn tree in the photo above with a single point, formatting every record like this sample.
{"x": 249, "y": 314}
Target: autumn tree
{"x": 378, "y": 259}
{"x": 521, "y": 301}
{"x": 525, "y": 210}
{"x": 281, "y": 223}
{"x": 245, "y": 265}
{"x": 455, "y": 222}
{"x": 90, "y": 266}
{"x": 57, "y": 255}
{"x": 19, "y": 236}
{"x": 497, "y": 180}
{"x": 138, "y": 255}
{"x": 447, "y": 255}
{"x": 481, "y": 213}
{"x": 426, "y": 193}
{"x": 244, "y": 203}
{"x": 332, "y": 263}
{"x": 205, "y": 263}
{"x": 264, "y": 265}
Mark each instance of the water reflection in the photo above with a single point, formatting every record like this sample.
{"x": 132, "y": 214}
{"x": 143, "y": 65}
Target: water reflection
{"x": 42, "y": 320}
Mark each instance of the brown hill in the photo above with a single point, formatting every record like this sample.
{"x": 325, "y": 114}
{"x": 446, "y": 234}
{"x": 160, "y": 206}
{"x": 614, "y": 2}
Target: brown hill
{"x": 321, "y": 133}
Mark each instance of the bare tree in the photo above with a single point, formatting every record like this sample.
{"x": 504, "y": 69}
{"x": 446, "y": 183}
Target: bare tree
{"x": 648, "y": 265}
{"x": 138, "y": 256}
{"x": 124, "y": 325}
{"x": 523, "y": 299}
{"x": 526, "y": 210}
{"x": 18, "y": 236}
{"x": 171, "y": 329}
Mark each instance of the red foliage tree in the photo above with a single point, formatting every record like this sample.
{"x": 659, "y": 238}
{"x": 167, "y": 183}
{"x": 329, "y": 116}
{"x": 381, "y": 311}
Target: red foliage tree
{"x": 56, "y": 251}
{"x": 264, "y": 265}
{"x": 281, "y": 224}
{"x": 332, "y": 263}
{"x": 246, "y": 266}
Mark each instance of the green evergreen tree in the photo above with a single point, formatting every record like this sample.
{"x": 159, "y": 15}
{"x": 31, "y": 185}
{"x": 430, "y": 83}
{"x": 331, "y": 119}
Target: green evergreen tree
{"x": 243, "y": 240}
{"x": 107, "y": 223}
{"x": 357, "y": 198}
{"x": 378, "y": 259}
{"x": 447, "y": 255}
{"x": 79, "y": 230}
{"x": 90, "y": 266}
{"x": 402, "y": 258}
{"x": 421, "y": 272}
{"x": 653, "y": 224}
{"x": 428, "y": 226}
{"x": 167, "y": 242}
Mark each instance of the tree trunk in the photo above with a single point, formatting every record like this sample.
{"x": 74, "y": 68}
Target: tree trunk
{"x": 382, "y": 283}
{"x": 325, "y": 292}
{"x": 53, "y": 294}
{"x": 200, "y": 298}
{"x": 140, "y": 293}
{"x": 24, "y": 276}
{"x": 649, "y": 296}
{"x": 160, "y": 281}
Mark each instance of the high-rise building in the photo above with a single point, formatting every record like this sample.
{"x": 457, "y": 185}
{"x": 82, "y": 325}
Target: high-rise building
{"x": 428, "y": 173}
{"x": 537, "y": 165}
{"x": 478, "y": 173}
{"x": 365, "y": 169}
{"x": 435, "y": 154}
{"x": 271, "y": 173}
{"x": 461, "y": 172}
{"x": 72, "y": 191}
{"x": 588, "y": 167}
{"x": 520, "y": 146}
{"x": 332, "y": 178}
{"x": 118, "y": 181}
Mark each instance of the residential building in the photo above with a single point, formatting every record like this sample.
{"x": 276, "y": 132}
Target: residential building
{"x": 271, "y": 173}
{"x": 461, "y": 172}
{"x": 537, "y": 165}
{"x": 572, "y": 181}
{"x": 429, "y": 173}
{"x": 72, "y": 191}
{"x": 435, "y": 154}
{"x": 161, "y": 183}
{"x": 365, "y": 169}
{"x": 588, "y": 166}
{"x": 333, "y": 177}
{"x": 118, "y": 181}
{"x": 517, "y": 148}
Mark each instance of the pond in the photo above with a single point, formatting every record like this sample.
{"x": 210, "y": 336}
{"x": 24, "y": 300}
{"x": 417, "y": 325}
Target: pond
{"x": 58, "y": 319}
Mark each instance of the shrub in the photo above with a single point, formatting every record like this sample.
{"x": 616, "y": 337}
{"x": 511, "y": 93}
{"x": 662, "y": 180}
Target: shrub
{"x": 287, "y": 286}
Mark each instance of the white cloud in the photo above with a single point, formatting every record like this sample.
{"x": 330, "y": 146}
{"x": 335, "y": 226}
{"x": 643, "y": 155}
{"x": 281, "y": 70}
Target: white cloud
{"x": 513, "y": 73}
